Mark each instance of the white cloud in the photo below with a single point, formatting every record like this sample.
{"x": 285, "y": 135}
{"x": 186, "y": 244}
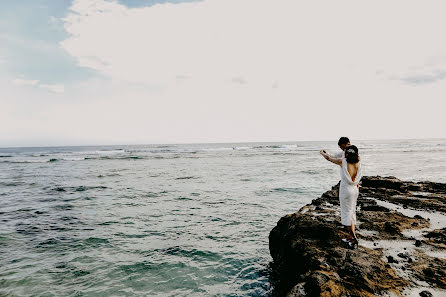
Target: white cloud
{"x": 260, "y": 40}
{"x": 24, "y": 82}
{"x": 55, "y": 88}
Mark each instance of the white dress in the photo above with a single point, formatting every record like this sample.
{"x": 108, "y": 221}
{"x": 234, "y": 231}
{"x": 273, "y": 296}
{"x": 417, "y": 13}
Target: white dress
{"x": 348, "y": 194}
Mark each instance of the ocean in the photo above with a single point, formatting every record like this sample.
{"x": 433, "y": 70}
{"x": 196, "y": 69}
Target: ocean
{"x": 168, "y": 220}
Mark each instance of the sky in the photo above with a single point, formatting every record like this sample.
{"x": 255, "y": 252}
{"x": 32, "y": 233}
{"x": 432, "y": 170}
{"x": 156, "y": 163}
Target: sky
{"x": 93, "y": 72}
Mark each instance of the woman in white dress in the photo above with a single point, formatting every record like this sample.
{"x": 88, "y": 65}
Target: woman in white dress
{"x": 351, "y": 174}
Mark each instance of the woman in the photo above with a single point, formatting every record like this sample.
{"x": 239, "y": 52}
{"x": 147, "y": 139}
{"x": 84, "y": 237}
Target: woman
{"x": 349, "y": 189}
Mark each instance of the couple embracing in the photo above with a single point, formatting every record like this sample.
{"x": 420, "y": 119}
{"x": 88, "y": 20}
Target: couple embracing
{"x": 351, "y": 174}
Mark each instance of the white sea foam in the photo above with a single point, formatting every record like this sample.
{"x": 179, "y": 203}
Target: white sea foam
{"x": 239, "y": 148}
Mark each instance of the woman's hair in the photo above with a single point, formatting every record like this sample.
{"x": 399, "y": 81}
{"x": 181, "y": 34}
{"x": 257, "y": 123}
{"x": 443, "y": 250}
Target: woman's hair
{"x": 351, "y": 154}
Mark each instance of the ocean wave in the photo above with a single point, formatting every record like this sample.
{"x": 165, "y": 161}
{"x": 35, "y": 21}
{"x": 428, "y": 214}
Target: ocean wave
{"x": 277, "y": 146}
{"x": 99, "y": 152}
{"x": 131, "y": 157}
{"x": 108, "y": 175}
{"x": 216, "y": 149}
{"x": 187, "y": 177}
{"x": 25, "y": 161}
{"x": 40, "y": 160}
{"x": 114, "y": 158}
{"x": 12, "y": 184}
{"x": 77, "y": 189}
{"x": 151, "y": 150}
{"x": 95, "y": 241}
{"x": 154, "y": 154}
{"x": 279, "y": 190}
{"x": 293, "y": 190}
{"x": 194, "y": 254}
{"x": 240, "y": 148}
{"x": 73, "y": 159}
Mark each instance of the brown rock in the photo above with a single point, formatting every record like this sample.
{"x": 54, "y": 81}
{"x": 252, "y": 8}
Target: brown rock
{"x": 309, "y": 258}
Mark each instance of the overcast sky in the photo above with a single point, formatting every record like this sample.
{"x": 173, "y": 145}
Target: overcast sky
{"x": 139, "y": 71}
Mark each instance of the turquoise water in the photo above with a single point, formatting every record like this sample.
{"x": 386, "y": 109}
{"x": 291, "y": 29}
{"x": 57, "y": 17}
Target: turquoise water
{"x": 167, "y": 220}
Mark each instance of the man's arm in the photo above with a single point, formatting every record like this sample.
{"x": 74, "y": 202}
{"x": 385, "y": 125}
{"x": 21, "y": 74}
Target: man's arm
{"x": 330, "y": 158}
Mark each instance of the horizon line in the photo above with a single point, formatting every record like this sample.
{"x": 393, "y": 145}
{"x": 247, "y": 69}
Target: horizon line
{"x": 232, "y": 142}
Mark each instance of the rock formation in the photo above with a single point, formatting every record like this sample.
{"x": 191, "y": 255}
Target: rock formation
{"x": 402, "y": 243}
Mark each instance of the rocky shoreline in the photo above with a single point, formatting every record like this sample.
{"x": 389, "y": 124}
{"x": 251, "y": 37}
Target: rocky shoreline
{"x": 402, "y": 244}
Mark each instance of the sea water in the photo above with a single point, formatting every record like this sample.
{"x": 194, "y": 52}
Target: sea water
{"x": 167, "y": 220}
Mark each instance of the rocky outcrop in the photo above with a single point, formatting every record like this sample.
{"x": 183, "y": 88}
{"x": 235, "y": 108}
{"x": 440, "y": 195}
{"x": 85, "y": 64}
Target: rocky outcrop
{"x": 402, "y": 243}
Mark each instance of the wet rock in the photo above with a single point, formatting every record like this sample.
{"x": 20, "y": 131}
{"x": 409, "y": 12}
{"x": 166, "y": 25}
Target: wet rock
{"x": 380, "y": 183}
{"x": 323, "y": 283}
{"x": 390, "y": 259}
{"x": 302, "y": 244}
{"x": 389, "y": 225}
{"x": 374, "y": 208}
{"x": 403, "y": 255}
{"x": 437, "y": 237}
{"x": 422, "y": 195}
{"x": 392, "y": 227}
{"x": 309, "y": 258}
{"x": 425, "y": 294}
{"x": 429, "y": 269}
{"x": 428, "y": 272}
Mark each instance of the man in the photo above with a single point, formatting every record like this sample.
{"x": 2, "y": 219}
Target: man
{"x": 342, "y": 143}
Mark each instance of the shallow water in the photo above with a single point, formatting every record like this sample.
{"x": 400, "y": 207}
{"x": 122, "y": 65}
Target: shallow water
{"x": 167, "y": 220}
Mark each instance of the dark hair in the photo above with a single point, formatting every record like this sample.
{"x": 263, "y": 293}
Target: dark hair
{"x": 351, "y": 154}
{"x": 343, "y": 140}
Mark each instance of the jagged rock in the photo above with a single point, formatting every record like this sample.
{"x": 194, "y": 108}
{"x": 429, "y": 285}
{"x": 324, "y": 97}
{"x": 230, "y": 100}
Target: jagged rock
{"x": 437, "y": 237}
{"x": 429, "y": 269}
{"x": 425, "y": 294}
{"x": 390, "y": 259}
{"x": 403, "y": 255}
{"x": 309, "y": 258}
{"x": 422, "y": 195}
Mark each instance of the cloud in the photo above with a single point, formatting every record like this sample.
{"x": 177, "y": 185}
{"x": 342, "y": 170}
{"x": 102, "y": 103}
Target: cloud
{"x": 425, "y": 78}
{"x": 55, "y": 88}
{"x": 260, "y": 41}
{"x": 238, "y": 80}
{"x": 24, "y": 82}
{"x": 434, "y": 70}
